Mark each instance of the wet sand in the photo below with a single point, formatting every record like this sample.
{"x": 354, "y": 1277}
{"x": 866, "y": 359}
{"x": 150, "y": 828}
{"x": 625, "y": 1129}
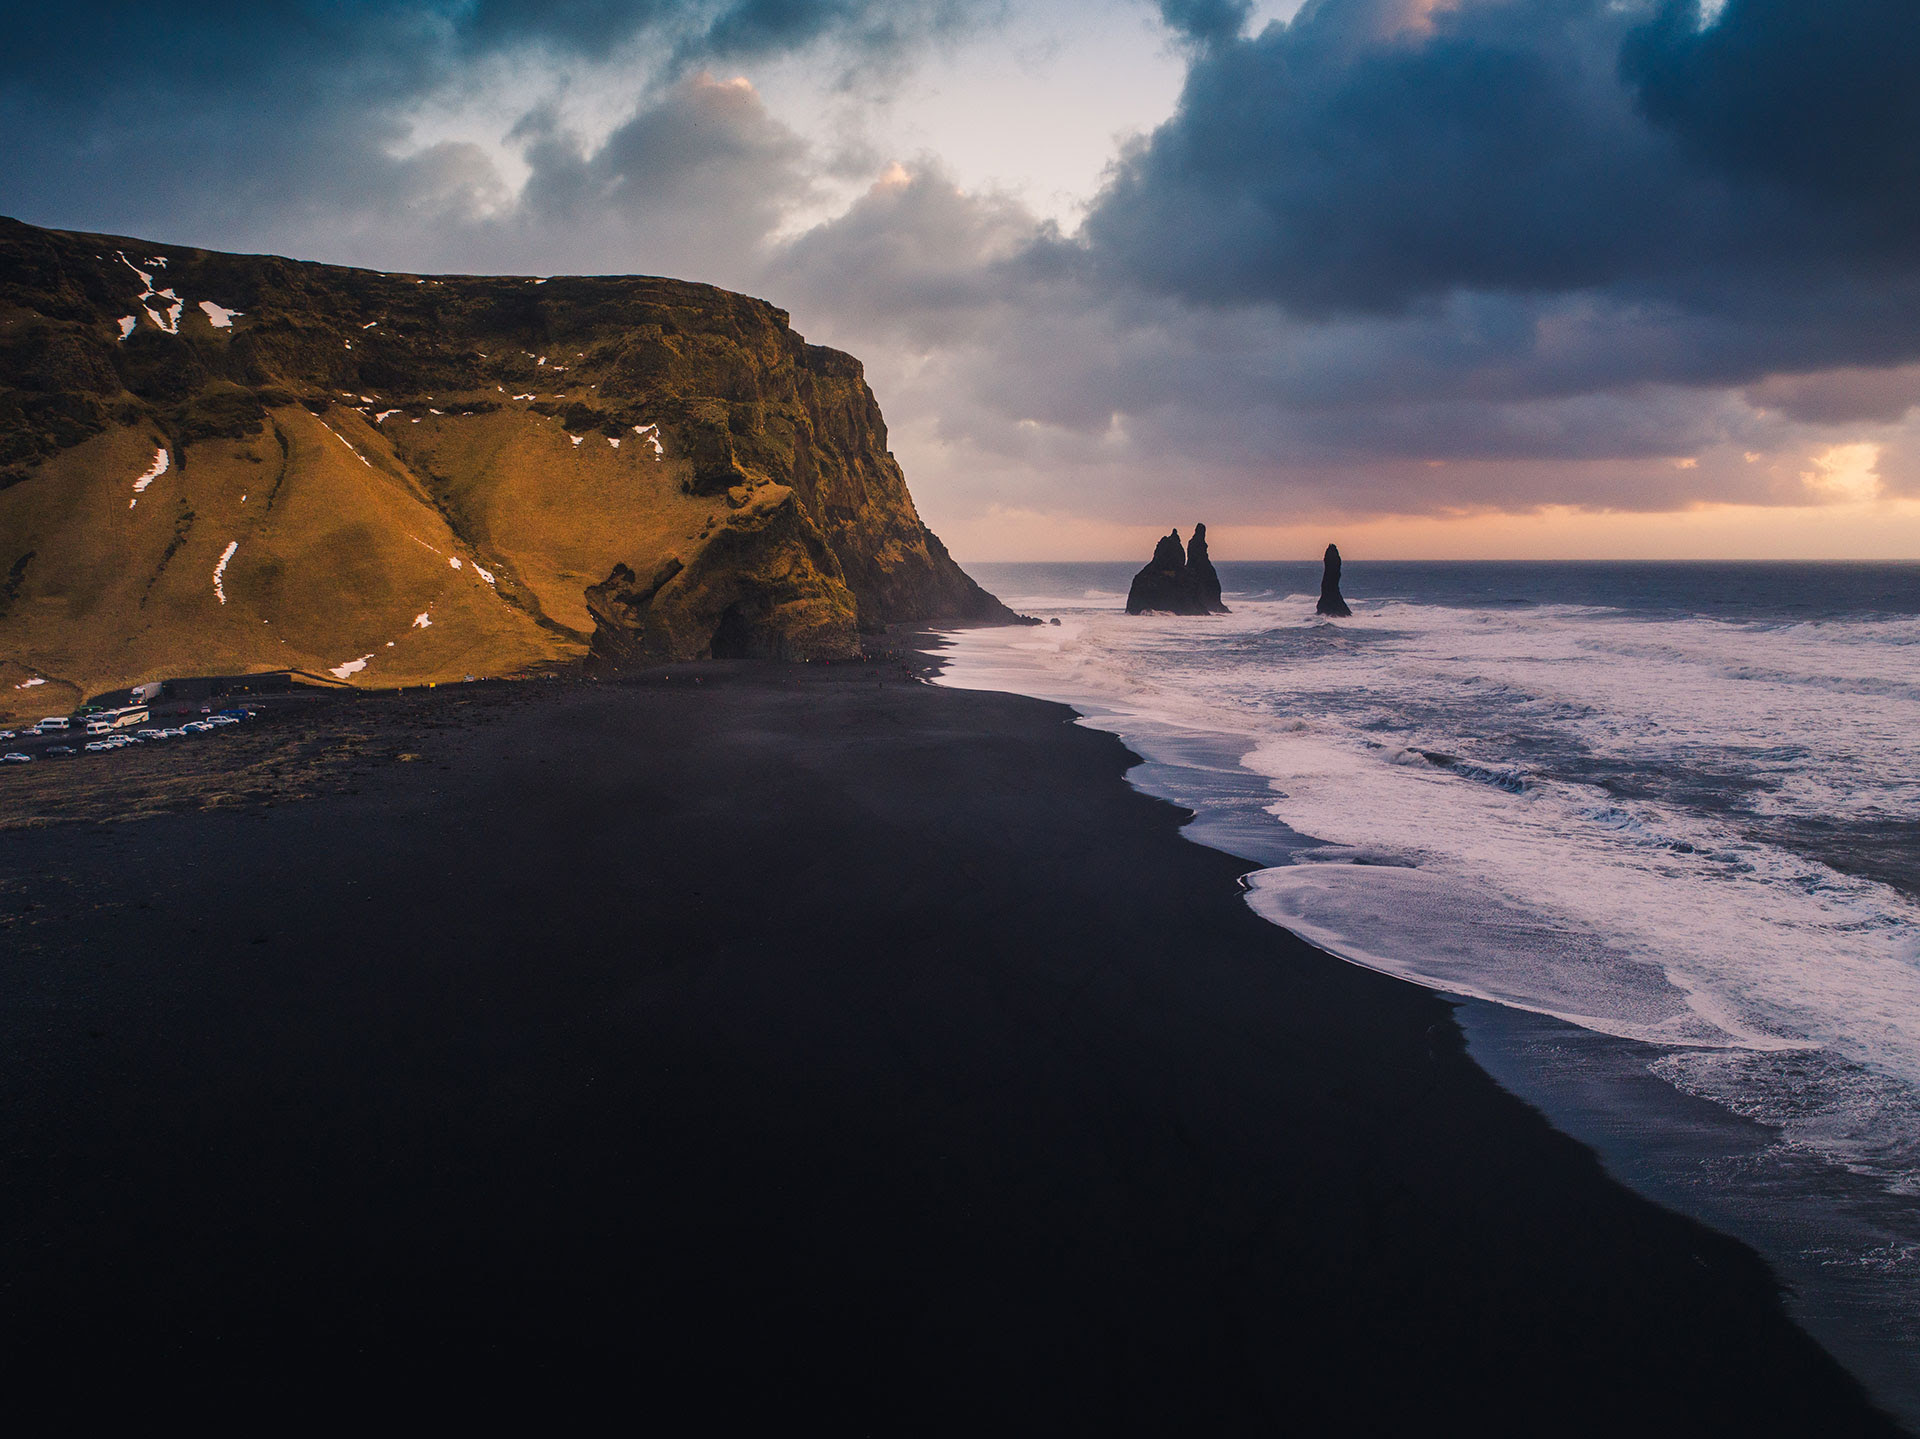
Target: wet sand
{"x": 804, "y": 1045}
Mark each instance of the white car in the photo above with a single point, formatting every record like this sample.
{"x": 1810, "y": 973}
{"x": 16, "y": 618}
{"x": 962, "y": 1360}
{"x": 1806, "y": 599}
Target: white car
{"x": 16, "y": 758}
{"x": 98, "y": 746}
{"x": 223, "y": 720}
{"x": 6, "y": 734}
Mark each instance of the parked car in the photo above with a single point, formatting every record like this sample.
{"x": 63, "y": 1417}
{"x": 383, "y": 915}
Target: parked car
{"x": 16, "y": 758}
{"x": 52, "y": 723}
{"x": 60, "y": 749}
{"x": 98, "y": 746}
{"x": 6, "y": 734}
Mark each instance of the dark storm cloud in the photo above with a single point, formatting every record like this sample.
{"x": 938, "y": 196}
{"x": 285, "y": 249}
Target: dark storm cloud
{"x": 1206, "y": 21}
{"x": 1820, "y": 99}
{"x": 1371, "y": 154}
{"x": 226, "y": 122}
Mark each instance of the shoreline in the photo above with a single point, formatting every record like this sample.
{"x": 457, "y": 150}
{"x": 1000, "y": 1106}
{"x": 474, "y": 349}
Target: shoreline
{"x": 799, "y": 1041}
{"x": 1846, "y": 1274}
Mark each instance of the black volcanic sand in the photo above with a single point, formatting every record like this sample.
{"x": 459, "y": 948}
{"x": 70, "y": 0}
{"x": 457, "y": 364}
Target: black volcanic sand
{"x": 801, "y": 1045}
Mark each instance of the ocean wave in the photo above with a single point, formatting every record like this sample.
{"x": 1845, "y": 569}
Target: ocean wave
{"x": 1623, "y": 820}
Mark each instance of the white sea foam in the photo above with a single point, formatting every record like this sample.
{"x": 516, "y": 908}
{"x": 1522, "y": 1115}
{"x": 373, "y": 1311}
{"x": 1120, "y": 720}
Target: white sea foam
{"x": 1564, "y": 809}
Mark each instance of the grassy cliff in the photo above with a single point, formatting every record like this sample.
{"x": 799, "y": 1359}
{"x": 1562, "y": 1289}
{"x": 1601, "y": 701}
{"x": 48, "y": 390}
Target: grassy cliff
{"x": 212, "y": 463}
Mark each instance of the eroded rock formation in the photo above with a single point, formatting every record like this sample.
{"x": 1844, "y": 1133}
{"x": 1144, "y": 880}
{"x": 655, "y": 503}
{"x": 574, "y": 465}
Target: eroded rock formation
{"x": 1177, "y": 581}
{"x": 1331, "y": 601}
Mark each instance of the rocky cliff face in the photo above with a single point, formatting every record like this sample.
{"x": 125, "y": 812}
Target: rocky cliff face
{"x": 216, "y": 463}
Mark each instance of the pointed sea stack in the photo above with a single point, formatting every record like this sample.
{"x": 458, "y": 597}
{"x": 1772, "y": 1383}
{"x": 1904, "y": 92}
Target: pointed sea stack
{"x": 1201, "y": 574}
{"x": 1331, "y": 602}
{"x": 1177, "y": 581}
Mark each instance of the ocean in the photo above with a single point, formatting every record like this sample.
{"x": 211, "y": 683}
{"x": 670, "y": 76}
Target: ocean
{"x": 1657, "y": 825}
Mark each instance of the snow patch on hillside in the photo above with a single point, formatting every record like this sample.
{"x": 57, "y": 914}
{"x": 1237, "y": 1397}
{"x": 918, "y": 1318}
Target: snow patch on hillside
{"x": 154, "y": 472}
{"x": 220, "y": 569}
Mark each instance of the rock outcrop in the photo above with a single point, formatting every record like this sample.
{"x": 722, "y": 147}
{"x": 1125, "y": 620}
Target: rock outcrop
{"x": 1331, "y": 601}
{"x": 216, "y": 463}
{"x": 1176, "y": 581}
{"x": 1201, "y": 574}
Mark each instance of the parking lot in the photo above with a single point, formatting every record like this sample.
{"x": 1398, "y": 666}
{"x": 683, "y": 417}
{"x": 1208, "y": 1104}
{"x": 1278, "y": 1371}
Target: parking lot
{"x": 57, "y": 738}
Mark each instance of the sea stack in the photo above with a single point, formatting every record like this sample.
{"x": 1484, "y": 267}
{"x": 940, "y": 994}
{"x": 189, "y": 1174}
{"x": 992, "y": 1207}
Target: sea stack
{"x": 1331, "y": 602}
{"x": 1177, "y": 580}
{"x": 1201, "y": 574}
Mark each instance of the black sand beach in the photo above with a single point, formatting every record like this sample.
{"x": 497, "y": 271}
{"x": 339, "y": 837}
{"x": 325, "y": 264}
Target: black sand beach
{"x": 803, "y": 1045}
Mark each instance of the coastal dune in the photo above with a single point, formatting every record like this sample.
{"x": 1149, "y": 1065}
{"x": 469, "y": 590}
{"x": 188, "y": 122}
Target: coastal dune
{"x": 747, "y": 1043}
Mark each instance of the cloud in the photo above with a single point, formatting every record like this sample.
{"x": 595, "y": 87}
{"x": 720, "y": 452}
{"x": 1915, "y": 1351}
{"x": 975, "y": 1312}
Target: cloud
{"x": 1355, "y": 162}
{"x": 1392, "y": 256}
{"x": 1206, "y": 21}
{"x": 690, "y": 184}
{"x": 1841, "y": 396}
{"x": 216, "y": 120}
{"x": 1818, "y": 100}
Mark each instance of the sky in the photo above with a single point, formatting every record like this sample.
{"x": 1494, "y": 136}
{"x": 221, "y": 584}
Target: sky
{"x": 1434, "y": 278}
